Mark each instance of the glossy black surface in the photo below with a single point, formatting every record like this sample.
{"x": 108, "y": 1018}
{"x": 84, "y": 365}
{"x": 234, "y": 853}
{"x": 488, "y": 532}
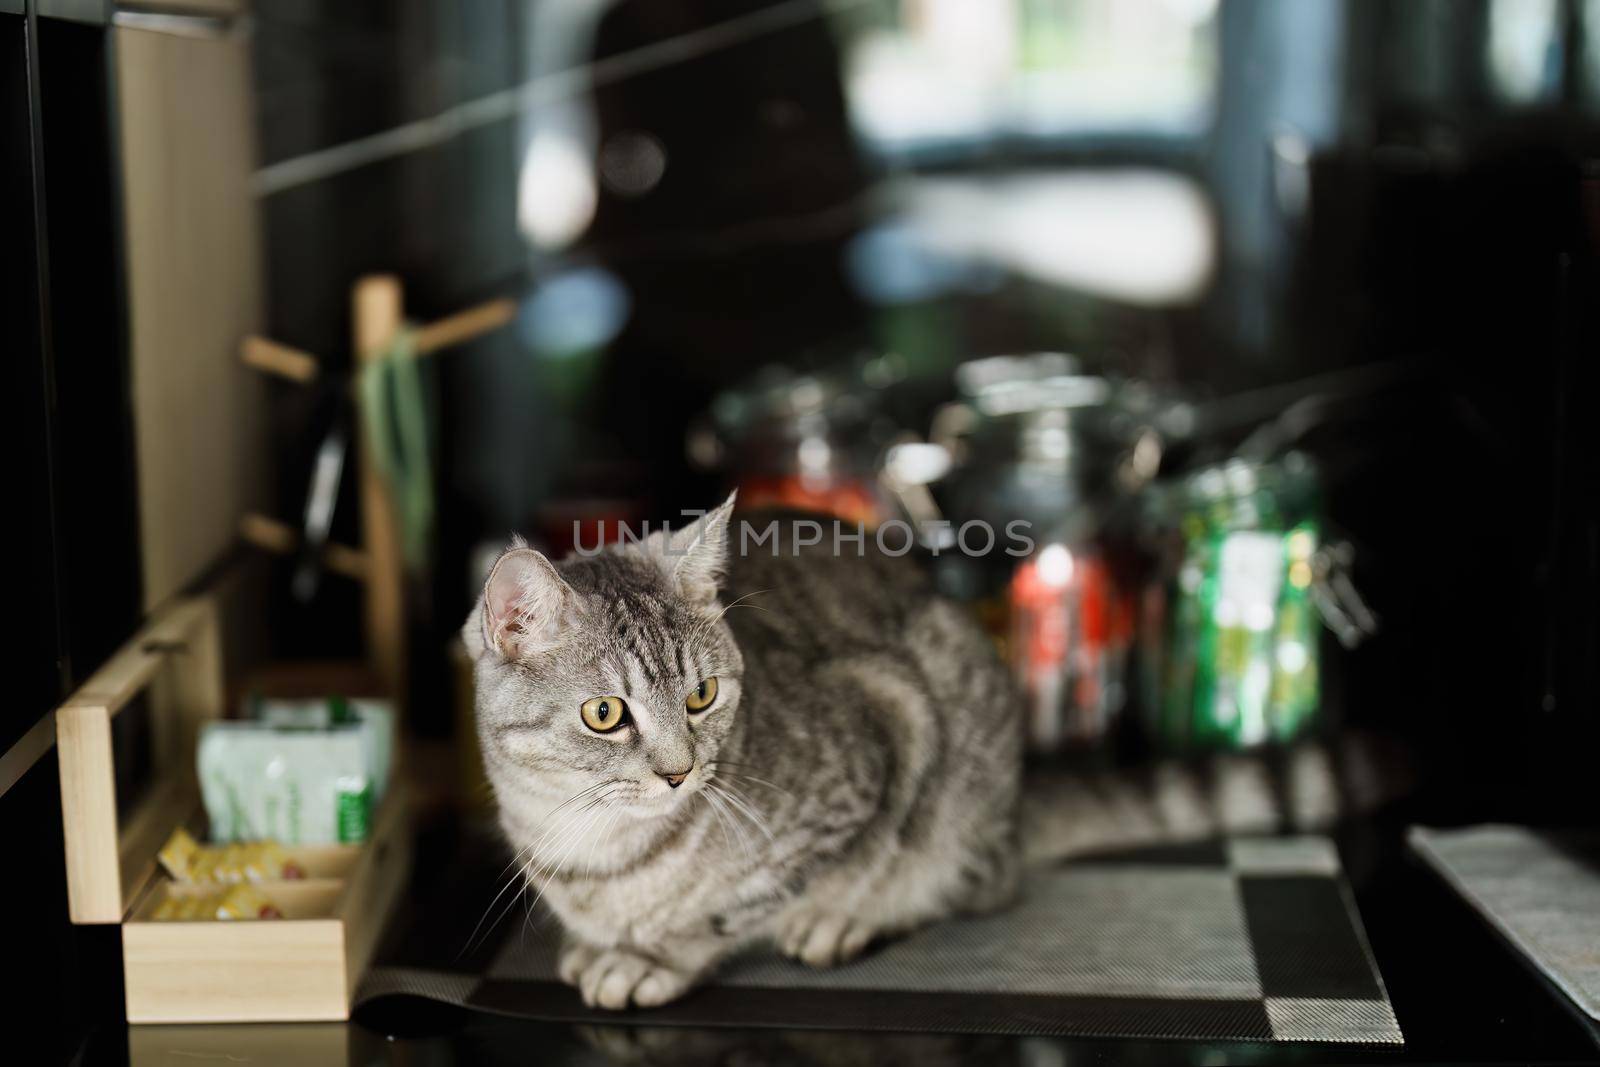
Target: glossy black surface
{"x": 25, "y": 392}
{"x": 96, "y": 492}
{"x": 1460, "y": 994}
{"x": 72, "y": 582}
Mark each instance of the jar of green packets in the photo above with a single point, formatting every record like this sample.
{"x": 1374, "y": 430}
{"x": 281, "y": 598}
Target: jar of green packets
{"x": 1229, "y": 649}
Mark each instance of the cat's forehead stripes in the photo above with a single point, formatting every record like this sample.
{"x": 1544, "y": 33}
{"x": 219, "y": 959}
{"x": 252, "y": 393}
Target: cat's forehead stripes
{"x": 645, "y": 638}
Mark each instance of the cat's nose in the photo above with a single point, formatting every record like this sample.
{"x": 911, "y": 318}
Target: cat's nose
{"x": 675, "y": 780}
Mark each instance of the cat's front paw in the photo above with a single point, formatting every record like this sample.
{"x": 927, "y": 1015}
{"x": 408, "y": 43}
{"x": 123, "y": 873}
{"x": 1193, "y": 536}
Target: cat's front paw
{"x": 617, "y": 977}
{"x": 574, "y": 959}
{"x": 823, "y": 938}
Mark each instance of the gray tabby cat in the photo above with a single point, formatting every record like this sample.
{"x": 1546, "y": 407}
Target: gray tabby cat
{"x": 696, "y": 749}
{"x": 701, "y": 742}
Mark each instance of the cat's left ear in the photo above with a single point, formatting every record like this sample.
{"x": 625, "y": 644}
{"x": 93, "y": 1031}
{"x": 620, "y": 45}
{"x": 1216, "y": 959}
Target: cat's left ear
{"x": 696, "y": 557}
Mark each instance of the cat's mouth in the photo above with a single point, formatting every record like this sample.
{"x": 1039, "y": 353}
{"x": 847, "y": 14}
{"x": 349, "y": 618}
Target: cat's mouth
{"x": 665, "y": 801}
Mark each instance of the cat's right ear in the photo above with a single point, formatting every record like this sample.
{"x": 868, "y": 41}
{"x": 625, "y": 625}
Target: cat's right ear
{"x": 526, "y": 607}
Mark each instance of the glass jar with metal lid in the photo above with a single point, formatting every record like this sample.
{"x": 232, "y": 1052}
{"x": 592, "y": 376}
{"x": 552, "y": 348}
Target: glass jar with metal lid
{"x": 807, "y": 441}
{"x": 1232, "y": 627}
{"x": 1036, "y": 441}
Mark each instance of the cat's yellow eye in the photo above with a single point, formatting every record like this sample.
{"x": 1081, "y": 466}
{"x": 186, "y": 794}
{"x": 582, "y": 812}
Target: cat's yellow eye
{"x": 604, "y": 714}
{"x": 703, "y": 696}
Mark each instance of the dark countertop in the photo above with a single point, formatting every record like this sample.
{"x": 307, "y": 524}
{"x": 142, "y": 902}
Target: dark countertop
{"x": 1461, "y": 996}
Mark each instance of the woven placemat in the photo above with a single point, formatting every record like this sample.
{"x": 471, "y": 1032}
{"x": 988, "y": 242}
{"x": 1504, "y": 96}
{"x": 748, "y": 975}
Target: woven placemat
{"x": 1540, "y": 890}
{"x": 1246, "y": 940}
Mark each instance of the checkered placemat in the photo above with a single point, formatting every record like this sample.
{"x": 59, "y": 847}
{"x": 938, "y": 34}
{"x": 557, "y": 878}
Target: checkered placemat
{"x": 1245, "y": 940}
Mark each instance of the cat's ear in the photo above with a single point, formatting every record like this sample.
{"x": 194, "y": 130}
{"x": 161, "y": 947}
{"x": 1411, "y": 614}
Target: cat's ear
{"x": 696, "y": 557}
{"x": 526, "y": 607}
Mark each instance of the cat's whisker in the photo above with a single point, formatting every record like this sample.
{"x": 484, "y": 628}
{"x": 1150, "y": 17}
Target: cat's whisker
{"x": 547, "y": 872}
{"x": 570, "y": 838}
{"x": 725, "y": 802}
{"x": 535, "y": 868}
{"x": 579, "y": 795}
{"x": 739, "y": 834}
{"x": 527, "y": 917}
{"x": 527, "y": 849}
{"x": 573, "y": 832}
{"x": 543, "y": 858}
{"x": 742, "y": 777}
{"x": 592, "y": 790}
{"x": 516, "y": 880}
{"x": 526, "y": 855}
{"x": 569, "y": 845}
{"x": 515, "y": 860}
{"x": 720, "y": 762}
{"x": 553, "y": 826}
{"x": 717, "y": 813}
{"x": 741, "y": 600}
{"x": 605, "y": 838}
{"x": 597, "y": 845}
{"x": 579, "y": 831}
{"x": 616, "y": 820}
{"x": 587, "y": 862}
{"x": 516, "y": 877}
{"x": 533, "y": 880}
{"x": 556, "y": 832}
{"x": 742, "y": 804}
{"x": 721, "y": 800}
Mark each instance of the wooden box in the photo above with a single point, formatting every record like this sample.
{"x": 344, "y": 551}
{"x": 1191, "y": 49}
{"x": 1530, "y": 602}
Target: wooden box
{"x": 302, "y": 967}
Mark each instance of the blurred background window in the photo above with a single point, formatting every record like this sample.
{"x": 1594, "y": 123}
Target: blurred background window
{"x": 1525, "y": 49}
{"x": 929, "y": 74}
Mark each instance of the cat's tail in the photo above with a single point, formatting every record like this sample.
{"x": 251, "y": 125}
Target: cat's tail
{"x": 1307, "y": 786}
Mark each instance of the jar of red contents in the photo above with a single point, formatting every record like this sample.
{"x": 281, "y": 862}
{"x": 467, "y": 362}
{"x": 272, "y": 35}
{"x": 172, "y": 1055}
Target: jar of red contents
{"x": 810, "y": 442}
{"x": 1039, "y": 443}
{"x": 1071, "y": 630}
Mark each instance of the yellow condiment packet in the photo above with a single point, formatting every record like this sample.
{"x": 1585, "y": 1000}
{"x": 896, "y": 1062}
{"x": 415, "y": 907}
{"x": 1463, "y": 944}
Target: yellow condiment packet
{"x": 252, "y": 861}
{"x": 178, "y": 854}
{"x": 236, "y": 902}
